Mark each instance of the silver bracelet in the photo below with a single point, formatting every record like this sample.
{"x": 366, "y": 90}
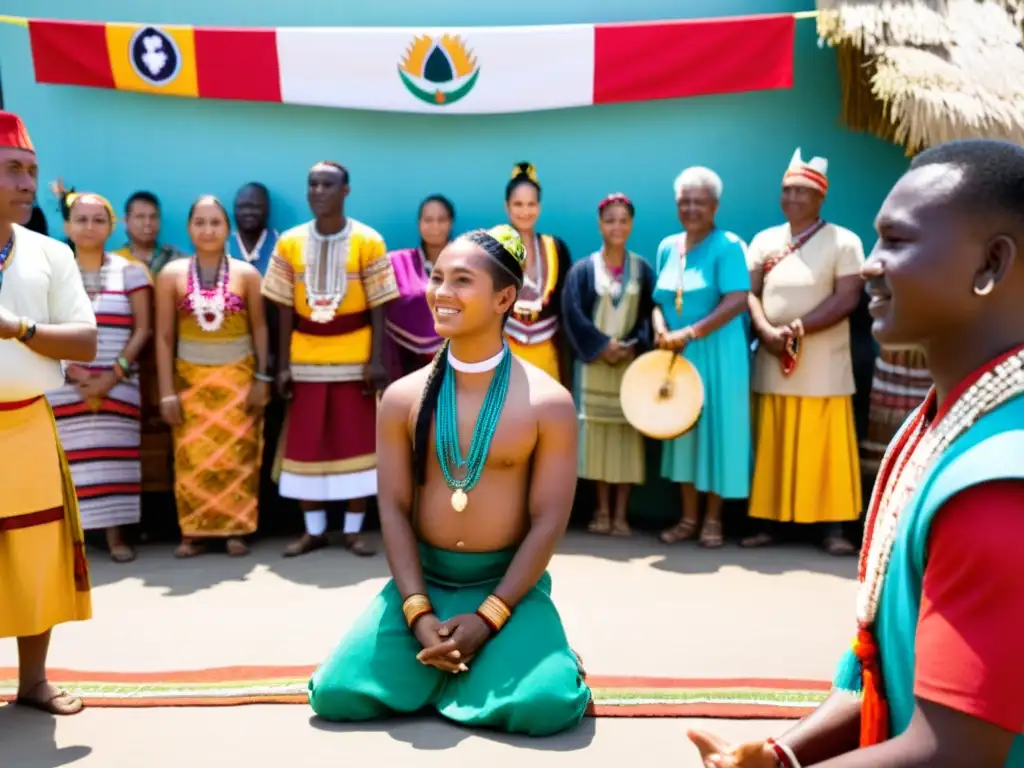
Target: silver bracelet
{"x": 263, "y": 377}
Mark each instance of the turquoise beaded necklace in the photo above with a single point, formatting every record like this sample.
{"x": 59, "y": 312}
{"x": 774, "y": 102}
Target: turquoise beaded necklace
{"x": 446, "y": 430}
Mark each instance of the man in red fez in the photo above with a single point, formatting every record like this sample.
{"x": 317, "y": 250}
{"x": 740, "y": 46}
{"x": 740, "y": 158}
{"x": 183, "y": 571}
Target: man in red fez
{"x": 45, "y": 318}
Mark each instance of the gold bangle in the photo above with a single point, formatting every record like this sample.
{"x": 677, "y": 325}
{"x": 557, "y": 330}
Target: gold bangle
{"x": 416, "y": 606}
{"x": 22, "y": 328}
{"x": 494, "y": 612}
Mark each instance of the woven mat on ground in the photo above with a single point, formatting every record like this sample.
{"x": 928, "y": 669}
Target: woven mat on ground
{"x": 740, "y": 698}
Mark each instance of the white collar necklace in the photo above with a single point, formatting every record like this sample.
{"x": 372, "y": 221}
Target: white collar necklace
{"x": 253, "y": 255}
{"x": 481, "y": 367}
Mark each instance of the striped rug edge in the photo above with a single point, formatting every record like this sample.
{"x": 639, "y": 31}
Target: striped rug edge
{"x": 615, "y": 696}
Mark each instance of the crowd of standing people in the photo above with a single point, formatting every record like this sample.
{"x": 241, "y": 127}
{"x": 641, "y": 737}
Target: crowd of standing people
{"x": 218, "y": 363}
{"x": 466, "y": 625}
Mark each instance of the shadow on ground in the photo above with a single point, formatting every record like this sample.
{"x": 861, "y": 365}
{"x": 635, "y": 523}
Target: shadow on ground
{"x": 336, "y": 567}
{"x": 689, "y": 558}
{"x": 28, "y": 740}
{"x": 157, "y": 567}
{"x": 434, "y": 734}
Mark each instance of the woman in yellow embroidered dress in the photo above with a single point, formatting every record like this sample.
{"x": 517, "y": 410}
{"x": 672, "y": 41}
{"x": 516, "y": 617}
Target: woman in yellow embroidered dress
{"x": 534, "y": 330}
{"x": 212, "y": 364}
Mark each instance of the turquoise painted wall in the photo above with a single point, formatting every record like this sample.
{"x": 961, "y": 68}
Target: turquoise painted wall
{"x": 115, "y": 142}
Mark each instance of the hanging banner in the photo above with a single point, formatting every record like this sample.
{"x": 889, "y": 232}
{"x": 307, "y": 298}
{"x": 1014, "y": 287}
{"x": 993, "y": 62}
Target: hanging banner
{"x": 467, "y": 70}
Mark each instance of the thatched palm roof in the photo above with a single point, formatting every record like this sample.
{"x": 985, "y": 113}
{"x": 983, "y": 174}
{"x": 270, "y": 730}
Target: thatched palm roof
{"x": 920, "y": 72}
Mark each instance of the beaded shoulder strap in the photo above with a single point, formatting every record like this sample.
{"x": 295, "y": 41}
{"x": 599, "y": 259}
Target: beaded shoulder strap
{"x": 995, "y": 387}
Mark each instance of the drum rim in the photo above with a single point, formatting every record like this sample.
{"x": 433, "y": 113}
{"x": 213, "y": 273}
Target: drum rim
{"x": 692, "y": 370}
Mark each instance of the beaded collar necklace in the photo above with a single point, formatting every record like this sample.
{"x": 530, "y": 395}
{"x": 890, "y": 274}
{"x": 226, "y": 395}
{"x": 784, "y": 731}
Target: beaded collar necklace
{"x": 917, "y": 446}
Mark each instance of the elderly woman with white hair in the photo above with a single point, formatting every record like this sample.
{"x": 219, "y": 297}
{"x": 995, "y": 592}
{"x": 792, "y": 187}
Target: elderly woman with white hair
{"x": 700, "y": 298}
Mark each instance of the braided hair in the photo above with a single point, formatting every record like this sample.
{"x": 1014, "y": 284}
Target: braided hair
{"x": 506, "y": 263}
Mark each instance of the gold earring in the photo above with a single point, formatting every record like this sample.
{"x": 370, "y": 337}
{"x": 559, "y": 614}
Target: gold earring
{"x": 986, "y": 289}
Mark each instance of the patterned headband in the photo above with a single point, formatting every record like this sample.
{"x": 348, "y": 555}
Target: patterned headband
{"x": 91, "y": 197}
{"x": 504, "y": 246}
{"x": 511, "y": 242}
{"x": 616, "y": 198}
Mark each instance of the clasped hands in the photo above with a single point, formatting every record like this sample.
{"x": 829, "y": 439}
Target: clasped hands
{"x": 616, "y": 353}
{"x": 450, "y": 645}
{"x": 91, "y": 384}
{"x": 776, "y": 338}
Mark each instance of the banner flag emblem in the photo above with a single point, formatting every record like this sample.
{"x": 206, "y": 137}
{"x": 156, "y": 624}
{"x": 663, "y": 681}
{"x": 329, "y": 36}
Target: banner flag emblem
{"x": 439, "y": 71}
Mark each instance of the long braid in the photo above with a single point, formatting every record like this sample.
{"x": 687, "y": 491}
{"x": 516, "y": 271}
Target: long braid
{"x": 428, "y": 405}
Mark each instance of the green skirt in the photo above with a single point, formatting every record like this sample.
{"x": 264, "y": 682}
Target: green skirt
{"x": 611, "y": 451}
{"x": 526, "y": 679}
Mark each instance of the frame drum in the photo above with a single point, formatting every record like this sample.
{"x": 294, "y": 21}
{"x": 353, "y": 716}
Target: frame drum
{"x": 662, "y": 394}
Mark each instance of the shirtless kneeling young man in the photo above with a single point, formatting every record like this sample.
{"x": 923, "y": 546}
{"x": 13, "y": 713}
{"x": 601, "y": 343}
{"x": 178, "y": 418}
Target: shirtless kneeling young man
{"x": 467, "y": 625}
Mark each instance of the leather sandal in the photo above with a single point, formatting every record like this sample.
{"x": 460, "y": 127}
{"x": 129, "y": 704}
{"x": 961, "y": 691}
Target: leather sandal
{"x": 684, "y": 530}
{"x": 60, "y": 703}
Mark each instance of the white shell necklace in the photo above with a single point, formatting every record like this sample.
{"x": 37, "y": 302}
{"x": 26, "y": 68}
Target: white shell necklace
{"x": 479, "y": 367}
{"x": 208, "y": 305}
{"x": 326, "y": 271}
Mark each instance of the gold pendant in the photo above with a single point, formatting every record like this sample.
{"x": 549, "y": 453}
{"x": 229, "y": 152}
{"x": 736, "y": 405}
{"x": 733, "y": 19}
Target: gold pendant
{"x": 459, "y": 500}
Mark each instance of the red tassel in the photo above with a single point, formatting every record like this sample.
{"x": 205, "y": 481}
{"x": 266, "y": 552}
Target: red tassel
{"x": 874, "y": 714}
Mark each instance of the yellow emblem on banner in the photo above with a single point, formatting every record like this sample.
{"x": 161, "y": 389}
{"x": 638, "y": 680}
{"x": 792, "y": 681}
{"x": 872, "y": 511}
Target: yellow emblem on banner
{"x": 152, "y": 59}
{"x": 440, "y": 70}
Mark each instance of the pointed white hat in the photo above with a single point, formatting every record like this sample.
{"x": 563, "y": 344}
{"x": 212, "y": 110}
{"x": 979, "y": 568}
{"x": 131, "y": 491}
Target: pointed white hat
{"x": 813, "y": 173}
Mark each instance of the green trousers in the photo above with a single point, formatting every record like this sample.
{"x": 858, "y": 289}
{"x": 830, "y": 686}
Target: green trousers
{"x": 525, "y": 679}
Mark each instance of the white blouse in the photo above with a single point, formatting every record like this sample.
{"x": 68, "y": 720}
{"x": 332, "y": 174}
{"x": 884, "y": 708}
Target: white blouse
{"x": 41, "y": 283}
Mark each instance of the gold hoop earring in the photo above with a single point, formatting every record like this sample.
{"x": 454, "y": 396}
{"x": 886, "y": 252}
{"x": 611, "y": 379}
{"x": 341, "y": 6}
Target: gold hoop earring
{"x": 986, "y": 289}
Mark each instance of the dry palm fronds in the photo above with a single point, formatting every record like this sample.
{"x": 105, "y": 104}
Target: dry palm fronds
{"x": 869, "y": 24}
{"x": 920, "y": 72}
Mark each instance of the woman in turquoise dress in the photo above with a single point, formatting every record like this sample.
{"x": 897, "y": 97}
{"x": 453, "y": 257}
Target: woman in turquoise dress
{"x": 700, "y": 298}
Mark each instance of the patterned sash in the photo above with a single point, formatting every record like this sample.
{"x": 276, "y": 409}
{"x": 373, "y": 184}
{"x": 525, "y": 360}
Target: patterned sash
{"x": 791, "y": 354}
{"x": 794, "y": 245}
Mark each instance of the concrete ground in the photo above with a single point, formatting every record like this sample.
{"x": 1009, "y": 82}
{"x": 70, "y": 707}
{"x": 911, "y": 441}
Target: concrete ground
{"x": 631, "y": 607}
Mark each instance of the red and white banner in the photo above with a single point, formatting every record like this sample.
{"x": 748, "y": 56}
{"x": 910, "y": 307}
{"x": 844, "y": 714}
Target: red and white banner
{"x": 459, "y": 70}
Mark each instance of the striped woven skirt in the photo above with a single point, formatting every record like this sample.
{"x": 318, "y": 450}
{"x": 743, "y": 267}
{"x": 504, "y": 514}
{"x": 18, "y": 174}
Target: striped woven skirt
{"x": 900, "y": 384}
{"x": 101, "y": 441}
{"x": 611, "y": 451}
